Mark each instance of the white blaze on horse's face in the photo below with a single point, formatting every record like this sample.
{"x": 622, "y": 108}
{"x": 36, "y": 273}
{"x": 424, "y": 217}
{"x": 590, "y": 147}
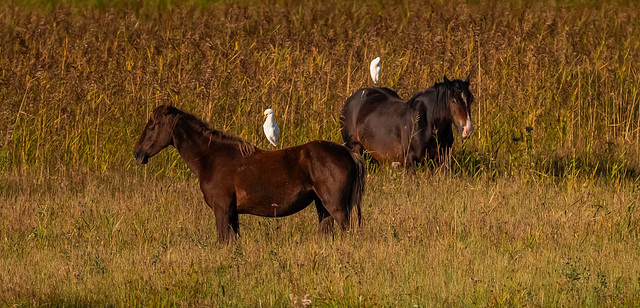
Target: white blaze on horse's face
{"x": 461, "y": 112}
{"x": 467, "y": 128}
{"x": 460, "y": 105}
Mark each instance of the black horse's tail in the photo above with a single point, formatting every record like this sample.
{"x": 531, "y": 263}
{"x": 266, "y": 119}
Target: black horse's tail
{"x": 357, "y": 188}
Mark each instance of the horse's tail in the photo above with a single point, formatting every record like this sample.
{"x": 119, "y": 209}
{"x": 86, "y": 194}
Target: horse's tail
{"x": 357, "y": 188}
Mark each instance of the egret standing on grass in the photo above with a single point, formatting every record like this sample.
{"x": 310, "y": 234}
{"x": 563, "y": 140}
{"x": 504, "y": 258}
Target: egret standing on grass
{"x": 270, "y": 127}
{"x": 374, "y": 69}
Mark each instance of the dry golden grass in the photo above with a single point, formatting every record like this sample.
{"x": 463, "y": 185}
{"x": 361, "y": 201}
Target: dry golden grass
{"x": 432, "y": 239}
{"x": 545, "y": 218}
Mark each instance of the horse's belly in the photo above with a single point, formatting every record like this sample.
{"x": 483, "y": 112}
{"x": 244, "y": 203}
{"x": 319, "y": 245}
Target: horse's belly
{"x": 271, "y": 194}
{"x": 272, "y": 204}
{"x": 384, "y": 151}
{"x": 383, "y": 142}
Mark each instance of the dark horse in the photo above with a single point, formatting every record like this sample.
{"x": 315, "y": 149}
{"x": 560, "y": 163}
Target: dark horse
{"x": 391, "y": 129}
{"x": 239, "y": 178}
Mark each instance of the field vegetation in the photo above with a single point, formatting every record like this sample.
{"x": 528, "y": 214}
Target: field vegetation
{"x": 539, "y": 207}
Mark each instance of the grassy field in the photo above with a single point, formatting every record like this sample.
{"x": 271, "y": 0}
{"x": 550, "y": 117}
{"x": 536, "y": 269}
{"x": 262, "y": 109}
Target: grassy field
{"x": 543, "y": 218}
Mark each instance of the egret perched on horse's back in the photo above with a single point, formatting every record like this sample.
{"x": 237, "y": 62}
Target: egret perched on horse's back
{"x": 374, "y": 69}
{"x": 270, "y": 127}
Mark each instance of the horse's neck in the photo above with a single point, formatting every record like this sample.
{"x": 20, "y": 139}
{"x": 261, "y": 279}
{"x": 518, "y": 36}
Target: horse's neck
{"x": 438, "y": 108}
{"x": 442, "y": 116}
{"x": 193, "y": 146}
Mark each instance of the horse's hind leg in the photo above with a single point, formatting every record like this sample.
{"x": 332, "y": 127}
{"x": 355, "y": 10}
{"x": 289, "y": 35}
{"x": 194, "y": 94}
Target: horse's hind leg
{"x": 335, "y": 203}
{"x": 340, "y": 215}
{"x": 324, "y": 217}
{"x": 233, "y": 221}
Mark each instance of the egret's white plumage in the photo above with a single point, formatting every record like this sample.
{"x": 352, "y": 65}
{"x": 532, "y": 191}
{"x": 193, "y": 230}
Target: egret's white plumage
{"x": 374, "y": 69}
{"x": 270, "y": 127}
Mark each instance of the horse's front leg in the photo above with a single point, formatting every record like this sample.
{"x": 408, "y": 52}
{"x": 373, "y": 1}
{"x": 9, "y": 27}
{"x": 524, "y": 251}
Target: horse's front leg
{"x": 444, "y": 155}
{"x": 226, "y": 221}
{"x": 226, "y": 214}
{"x": 414, "y": 158}
{"x": 410, "y": 166}
{"x": 445, "y": 141}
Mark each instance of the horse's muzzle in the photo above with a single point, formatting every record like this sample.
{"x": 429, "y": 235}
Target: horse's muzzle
{"x": 141, "y": 157}
{"x": 466, "y": 132}
{"x": 467, "y": 129}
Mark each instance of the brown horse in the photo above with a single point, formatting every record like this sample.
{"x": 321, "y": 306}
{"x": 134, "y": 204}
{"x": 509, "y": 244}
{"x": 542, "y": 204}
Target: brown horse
{"x": 392, "y": 129}
{"x": 239, "y": 178}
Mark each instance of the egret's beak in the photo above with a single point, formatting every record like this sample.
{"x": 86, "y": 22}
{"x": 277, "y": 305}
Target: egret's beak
{"x": 264, "y": 116}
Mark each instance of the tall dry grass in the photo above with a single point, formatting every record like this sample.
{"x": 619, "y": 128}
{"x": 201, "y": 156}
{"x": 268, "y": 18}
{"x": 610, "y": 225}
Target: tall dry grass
{"x": 548, "y": 217}
{"x": 78, "y": 81}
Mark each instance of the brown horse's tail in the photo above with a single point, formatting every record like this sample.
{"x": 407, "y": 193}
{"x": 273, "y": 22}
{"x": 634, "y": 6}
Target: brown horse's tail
{"x": 357, "y": 188}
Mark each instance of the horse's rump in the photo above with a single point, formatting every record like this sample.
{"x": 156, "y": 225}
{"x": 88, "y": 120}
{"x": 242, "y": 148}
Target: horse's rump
{"x": 283, "y": 182}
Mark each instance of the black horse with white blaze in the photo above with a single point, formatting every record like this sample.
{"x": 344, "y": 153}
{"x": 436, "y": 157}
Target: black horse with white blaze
{"x": 391, "y": 129}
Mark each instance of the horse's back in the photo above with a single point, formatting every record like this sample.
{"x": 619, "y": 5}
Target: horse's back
{"x": 369, "y": 100}
{"x": 369, "y": 95}
{"x": 384, "y": 91}
{"x": 319, "y": 151}
{"x": 325, "y": 161}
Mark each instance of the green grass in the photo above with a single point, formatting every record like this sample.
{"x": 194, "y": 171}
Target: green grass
{"x": 544, "y": 218}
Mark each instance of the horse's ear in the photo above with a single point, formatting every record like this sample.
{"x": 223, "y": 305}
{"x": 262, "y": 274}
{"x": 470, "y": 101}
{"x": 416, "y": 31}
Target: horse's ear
{"x": 468, "y": 78}
{"x": 166, "y": 109}
{"x": 161, "y": 110}
{"x": 446, "y": 80}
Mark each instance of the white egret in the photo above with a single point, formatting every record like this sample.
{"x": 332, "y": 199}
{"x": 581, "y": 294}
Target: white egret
{"x": 270, "y": 127}
{"x": 374, "y": 69}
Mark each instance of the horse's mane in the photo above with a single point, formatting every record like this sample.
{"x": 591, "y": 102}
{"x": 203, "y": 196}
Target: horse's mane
{"x": 442, "y": 94}
{"x": 245, "y": 147}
